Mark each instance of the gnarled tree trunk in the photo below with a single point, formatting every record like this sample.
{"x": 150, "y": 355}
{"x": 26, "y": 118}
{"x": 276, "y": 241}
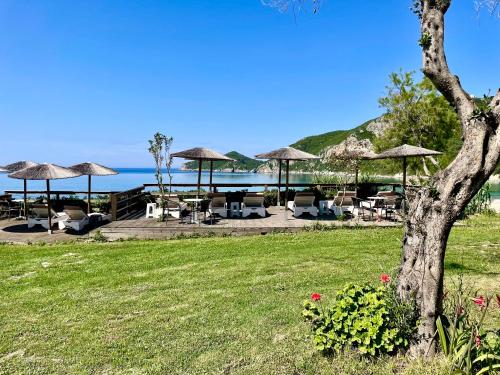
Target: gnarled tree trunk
{"x": 436, "y": 207}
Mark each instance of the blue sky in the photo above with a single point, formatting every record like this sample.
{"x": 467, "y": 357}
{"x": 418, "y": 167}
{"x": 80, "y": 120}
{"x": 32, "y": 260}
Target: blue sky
{"x": 93, "y": 80}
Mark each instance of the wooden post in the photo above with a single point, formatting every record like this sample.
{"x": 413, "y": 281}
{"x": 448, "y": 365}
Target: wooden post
{"x": 356, "y": 180}
{"x": 286, "y": 189}
{"x": 25, "y": 199}
{"x": 279, "y": 181}
{"x": 404, "y": 175}
{"x": 89, "y": 208}
{"x": 199, "y": 178}
{"x": 211, "y": 170}
{"x": 114, "y": 209}
{"x": 49, "y": 211}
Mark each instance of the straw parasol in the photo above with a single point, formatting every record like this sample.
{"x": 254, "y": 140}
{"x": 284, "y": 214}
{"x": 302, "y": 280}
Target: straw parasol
{"x": 201, "y": 154}
{"x": 403, "y": 152}
{"x": 17, "y": 166}
{"x": 286, "y": 154}
{"x": 352, "y": 149}
{"x": 45, "y": 172}
{"x": 92, "y": 169}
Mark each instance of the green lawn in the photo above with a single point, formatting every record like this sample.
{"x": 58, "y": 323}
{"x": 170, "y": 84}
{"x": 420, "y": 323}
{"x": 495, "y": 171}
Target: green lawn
{"x": 194, "y": 306}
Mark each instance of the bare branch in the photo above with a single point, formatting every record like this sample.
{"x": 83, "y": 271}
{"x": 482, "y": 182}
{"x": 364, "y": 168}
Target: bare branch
{"x": 493, "y": 6}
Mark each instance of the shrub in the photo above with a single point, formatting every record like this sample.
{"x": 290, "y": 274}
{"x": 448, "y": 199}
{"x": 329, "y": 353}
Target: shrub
{"x": 469, "y": 348}
{"x": 366, "y": 318}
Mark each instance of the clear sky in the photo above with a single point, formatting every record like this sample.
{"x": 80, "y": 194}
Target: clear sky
{"x": 93, "y": 80}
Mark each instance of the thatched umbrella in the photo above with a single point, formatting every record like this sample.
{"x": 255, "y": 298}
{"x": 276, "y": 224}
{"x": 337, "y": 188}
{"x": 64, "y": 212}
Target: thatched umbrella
{"x": 201, "y": 154}
{"x": 286, "y": 154}
{"x": 403, "y": 152}
{"x": 17, "y": 166}
{"x": 92, "y": 169}
{"x": 354, "y": 150}
{"x": 45, "y": 172}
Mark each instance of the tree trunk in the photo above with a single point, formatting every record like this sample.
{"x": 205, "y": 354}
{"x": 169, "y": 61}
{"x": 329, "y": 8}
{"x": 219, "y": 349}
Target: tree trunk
{"x": 435, "y": 208}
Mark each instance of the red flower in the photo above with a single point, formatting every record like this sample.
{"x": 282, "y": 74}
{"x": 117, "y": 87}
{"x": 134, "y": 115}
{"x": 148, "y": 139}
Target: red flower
{"x": 478, "y": 341}
{"x": 315, "y": 296}
{"x": 385, "y": 278}
{"x": 479, "y": 301}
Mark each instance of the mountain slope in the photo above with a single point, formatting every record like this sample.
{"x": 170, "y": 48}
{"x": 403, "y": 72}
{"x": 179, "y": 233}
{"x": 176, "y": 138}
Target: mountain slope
{"x": 316, "y": 143}
{"x": 242, "y": 163}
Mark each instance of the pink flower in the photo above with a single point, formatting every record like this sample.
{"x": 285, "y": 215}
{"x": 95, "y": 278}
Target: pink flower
{"x": 479, "y": 301}
{"x": 315, "y": 296}
{"x": 385, "y": 278}
{"x": 478, "y": 341}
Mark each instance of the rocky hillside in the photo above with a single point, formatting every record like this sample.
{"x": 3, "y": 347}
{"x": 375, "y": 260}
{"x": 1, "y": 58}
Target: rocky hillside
{"x": 325, "y": 144}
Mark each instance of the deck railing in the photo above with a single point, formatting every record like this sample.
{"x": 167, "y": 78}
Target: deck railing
{"x": 125, "y": 202}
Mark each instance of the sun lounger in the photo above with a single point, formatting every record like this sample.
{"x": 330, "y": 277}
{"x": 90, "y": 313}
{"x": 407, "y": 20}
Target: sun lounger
{"x": 39, "y": 217}
{"x": 173, "y": 207}
{"x": 344, "y": 203}
{"x": 253, "y": 204}
{"x": 76, "y": 219}
{"x": 303, "y": 203}
{"x": 218, "y": 205}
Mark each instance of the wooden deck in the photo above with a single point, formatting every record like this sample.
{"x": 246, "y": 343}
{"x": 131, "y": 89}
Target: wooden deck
{"x": 138, "y": 226}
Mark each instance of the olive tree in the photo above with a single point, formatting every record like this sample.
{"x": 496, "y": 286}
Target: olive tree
{"x": 437, "y": 206}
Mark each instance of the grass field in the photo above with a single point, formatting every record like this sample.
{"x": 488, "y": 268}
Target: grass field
{"x": 208, "y": 305}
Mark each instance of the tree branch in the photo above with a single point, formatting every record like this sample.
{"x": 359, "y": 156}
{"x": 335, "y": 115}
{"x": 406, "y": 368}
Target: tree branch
{"x": 435, "y": 65}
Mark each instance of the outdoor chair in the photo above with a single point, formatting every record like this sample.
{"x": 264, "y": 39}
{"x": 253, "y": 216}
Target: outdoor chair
{"x": 218, "y": 205}
{"x": 344, "y": 203}
{"x": 303, "y": 203}
{"x": 39, "y": 216}
{"x": 76, "y": 219}
{"x": 173, "y": 207}
{"x": 253, "y": 204}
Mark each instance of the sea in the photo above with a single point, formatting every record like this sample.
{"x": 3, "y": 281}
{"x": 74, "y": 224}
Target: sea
{"x": 129, "y": 178}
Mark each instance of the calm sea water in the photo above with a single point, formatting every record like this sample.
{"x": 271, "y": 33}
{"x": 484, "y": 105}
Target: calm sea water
{"x": 129, "y": 178}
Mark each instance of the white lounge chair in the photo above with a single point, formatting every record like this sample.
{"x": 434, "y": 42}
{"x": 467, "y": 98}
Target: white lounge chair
{"x": 173, "y": 208}
{"x": 39, "y": 216}
{"x": 253, "y": 204}
{"x": 303, "y": 203}
{"x": 76, "y": 219}
{"x": 218, "y": 205}
{"x": 344, "y": 203}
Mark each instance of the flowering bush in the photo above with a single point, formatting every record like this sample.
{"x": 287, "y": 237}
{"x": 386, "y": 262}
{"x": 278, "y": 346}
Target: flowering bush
{"x": 470, "y": 348}
{"x": 362, "y": 317}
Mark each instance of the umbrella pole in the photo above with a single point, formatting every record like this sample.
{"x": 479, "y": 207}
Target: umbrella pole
{"x": 25, "y": 199}
{"x": 199, "y": 178}
{"x": 404, "y": 175}
{"x": 404, "y": 184}
{"x": 88, "y": 197}
{"x": 279, "y": 181}
{"x": 356, "y": 181}
{"x": 211, "y": 170}
{"x": 286, "y": 189}
{"x": 49, "y": 211}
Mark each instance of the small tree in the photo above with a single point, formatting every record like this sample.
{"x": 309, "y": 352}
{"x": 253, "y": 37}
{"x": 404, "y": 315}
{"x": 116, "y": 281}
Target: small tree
{"x": 159, "y": 148}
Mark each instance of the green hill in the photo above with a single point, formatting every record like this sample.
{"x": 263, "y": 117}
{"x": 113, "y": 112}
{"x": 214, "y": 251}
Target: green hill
{"x": 242, "y": 163}
{"x": 316, "y": 143}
